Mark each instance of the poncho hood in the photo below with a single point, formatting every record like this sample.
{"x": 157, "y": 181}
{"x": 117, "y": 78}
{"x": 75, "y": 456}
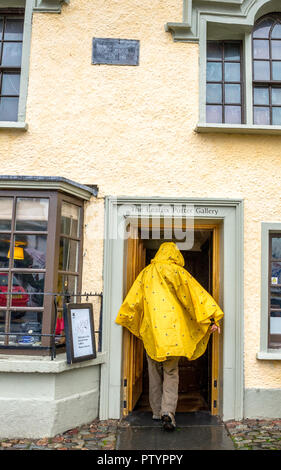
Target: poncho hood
{"x": 168, "y": 253}
{"x": 168, "y": 309}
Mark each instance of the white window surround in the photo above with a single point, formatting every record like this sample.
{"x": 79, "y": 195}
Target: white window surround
{"x": 265, "y": 353}
{"x": 224, "y": 19}
{"x": 42, "y": 6}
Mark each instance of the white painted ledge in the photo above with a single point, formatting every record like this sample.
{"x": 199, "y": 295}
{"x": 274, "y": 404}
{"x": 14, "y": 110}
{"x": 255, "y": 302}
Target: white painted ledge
{"x": 269, "y": 355}
{"x": 237, "y": 129}
{"x": 20, "y": 126}
{"x": 28, "y": 364}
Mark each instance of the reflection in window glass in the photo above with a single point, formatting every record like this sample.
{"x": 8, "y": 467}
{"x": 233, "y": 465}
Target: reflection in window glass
{"x": 68, "y": 259}
{"x": 232, "y": 51}
{"x": 214, "y": 93}
{"x": 32, "y": 214}
{"x": 276, "y": 273}
{"x": 70, "y": 218}
{"x": 27, "y": 288}
{"x": 30, "y": 251}
{"x": 261, "y": 70}
{"x": 262, "y": 29}
{"x": 261, "y": 49}
{"x": 276, "y": 248}
{"x": 261, "y": 116}
{"x": 4, "y": 250}
{"x": 28, "y": 326}
{"x": 261, "y": 95}
{"x": 275, "y": 298}
{"x": 9, "y": 109}
{"x": 3, "y": 289}
{"x": 214, "y": 71}
{"x": 12, "y": 52}
{"x": 275, "y": 323}
{"x": 13, "y": 30}
{"x": 6, "y": 208}
{"x": 214, "y": 114}
{"x": 67, "y": 284}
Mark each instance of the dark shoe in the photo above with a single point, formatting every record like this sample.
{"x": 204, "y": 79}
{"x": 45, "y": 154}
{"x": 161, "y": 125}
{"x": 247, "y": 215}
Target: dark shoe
{"x": 169, "y": 422}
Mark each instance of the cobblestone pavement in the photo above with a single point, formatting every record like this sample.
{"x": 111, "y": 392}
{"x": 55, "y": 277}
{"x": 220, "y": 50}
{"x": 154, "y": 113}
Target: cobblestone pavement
{"x": 254, "y": 434}
{"x": 249, "y": 434}
{"x": 98, "y": 435}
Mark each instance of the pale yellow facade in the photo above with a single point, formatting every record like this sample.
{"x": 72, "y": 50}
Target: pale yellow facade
{"x": 131, "y": 131}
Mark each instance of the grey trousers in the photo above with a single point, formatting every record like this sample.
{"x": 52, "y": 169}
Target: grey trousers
{"x": 163, "y": 385}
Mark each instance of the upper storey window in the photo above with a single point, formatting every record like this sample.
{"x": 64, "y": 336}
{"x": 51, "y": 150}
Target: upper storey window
{"x": 11, "y": 40}
{"x": 224, "y": 91}
{"x": 267, "y": 70}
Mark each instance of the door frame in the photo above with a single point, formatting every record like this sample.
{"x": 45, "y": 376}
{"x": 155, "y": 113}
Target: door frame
{"x": 228, "y": 213}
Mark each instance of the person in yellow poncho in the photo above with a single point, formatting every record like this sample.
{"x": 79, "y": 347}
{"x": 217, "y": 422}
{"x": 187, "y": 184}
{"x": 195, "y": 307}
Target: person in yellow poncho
{"x": 174, "y": 316}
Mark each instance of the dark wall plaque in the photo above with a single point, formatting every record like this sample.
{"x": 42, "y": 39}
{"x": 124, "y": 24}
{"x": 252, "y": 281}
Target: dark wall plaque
{"x": 115, "y": 51}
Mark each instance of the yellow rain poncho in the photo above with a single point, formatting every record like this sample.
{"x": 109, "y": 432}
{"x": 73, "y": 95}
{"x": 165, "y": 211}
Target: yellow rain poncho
{"x": 168, "y": 309}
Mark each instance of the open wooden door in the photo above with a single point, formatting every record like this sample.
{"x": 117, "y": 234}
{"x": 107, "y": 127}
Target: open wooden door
{"x": 132, "y": 346}
{"x": 215, "y": 335}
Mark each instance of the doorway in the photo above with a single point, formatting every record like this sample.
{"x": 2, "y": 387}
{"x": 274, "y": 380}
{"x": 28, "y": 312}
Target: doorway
{"x": 198, "y": 380}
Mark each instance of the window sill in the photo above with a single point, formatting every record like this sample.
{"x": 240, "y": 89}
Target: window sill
{"x": 271, "y": 355}
{"x": 28, "y": 364}
{"x": 237, "y": 129}
{"x": 19, "y": 126}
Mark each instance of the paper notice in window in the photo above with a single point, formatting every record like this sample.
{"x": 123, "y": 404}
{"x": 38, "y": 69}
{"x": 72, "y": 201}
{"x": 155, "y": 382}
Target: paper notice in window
{"x": 275, "y": 325}
{"x": 274, "y": 280}
{"x": 81, "y": 332}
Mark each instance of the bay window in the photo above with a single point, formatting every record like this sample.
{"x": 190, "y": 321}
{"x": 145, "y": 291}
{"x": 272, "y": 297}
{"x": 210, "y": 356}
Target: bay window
{"x": 40, "y": 256}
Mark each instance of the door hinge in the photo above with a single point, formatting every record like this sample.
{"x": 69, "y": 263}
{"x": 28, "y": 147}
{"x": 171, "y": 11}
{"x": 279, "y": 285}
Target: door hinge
{"x": 215, "y": 383}
{"x": 125, "y": 382}
{"x": 215, "y": 403}
{"x": 125, "y": 404}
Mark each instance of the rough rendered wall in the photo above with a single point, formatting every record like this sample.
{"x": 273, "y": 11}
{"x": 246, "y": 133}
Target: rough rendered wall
{"x": 130, "y": 130}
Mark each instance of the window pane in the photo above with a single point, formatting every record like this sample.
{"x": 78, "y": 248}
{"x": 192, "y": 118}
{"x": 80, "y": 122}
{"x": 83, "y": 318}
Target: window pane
{"x": 1, "y": 27}
{"x": 276, "y": 273}
{"x": 261, "y": 95}
{"x": 276, "y": 96}
{"x": 232, "y": 51}
{"x": 232, "y": 93}
{"x": 261, "y": 115}
{"x": 261, "y": 70}
{"x": 67, "y": 284}
{"x": 9, "y": 109}
{"x": 214, "y": 93}
{"x": 32, "y": 214}
{"x": 275, "y": 323}
{"x": 275, "y": 297}
{"x": 214, "y": 50}
{"x": 276, "y": 49}
{"x": 276, "y": 32}
{"x": 276, "y": 247}
{"x": 261, "y": 49}
{"x": 30, "y": 251}
{"x": 214, "y": 114}
{"x": 214, "y": 72}
{"x": 12, "y": 54}
{"x": 262, "y": 29}
{"x": 68, "y": 259}
{"x": 3, "y": 289}
{"x": 276, "y": 116}
{"x": 13, "y": 30}
{"x": 233, "y": 114}
{"x": 6, "y": 208}
{"x": 10, "y": 84}
{"x": 27, "y": 288}
{"x": 232, "y": 72}
{"x": 4, "y": 251}
{"x": 276, "y": 70}
{"x": 29, "y": 325}
{"x": 2, "y": 326}
{"x": 70, "y": 219}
